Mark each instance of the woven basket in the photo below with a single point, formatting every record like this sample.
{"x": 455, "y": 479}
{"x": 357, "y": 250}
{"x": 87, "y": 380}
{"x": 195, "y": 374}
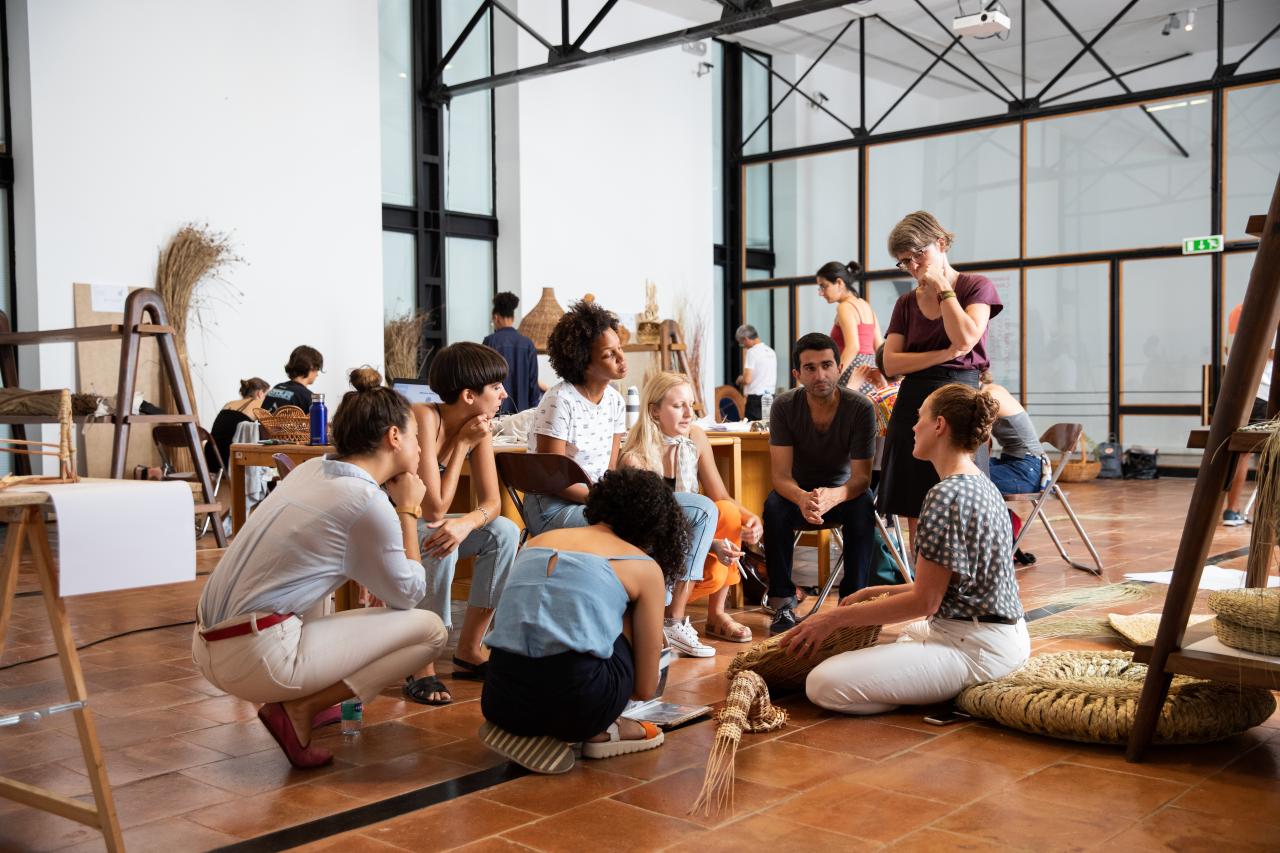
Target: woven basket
{"x": 538, "y": 323}
{"x": 1248, "y": 619}
{"x": 1092, "y": 697}
{"x": 782, "y": 670}
{"x": 1080, "y": 470}
{"x": 288, "y": 423}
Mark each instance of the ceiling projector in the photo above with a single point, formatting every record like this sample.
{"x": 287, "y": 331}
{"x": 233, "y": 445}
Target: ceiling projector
{"x": 988, "y": 23}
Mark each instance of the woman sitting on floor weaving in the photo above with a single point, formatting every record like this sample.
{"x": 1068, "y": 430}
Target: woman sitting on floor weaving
{"x": 965, "y": 593}
{"x": 578, "y": 631}
{"x": 260, "y": 630}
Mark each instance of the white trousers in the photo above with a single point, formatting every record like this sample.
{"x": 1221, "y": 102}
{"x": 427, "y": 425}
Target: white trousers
{"x": 367, "y": 649}
{"x": 932, "y": 661}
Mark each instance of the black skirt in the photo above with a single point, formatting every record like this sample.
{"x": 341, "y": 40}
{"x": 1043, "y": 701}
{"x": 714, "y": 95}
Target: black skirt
{"x": 904, "y": 479}
{"x": 571, "y": 696}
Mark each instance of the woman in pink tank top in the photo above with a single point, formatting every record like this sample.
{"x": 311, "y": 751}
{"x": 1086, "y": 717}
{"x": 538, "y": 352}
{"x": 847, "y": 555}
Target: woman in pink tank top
{"x": 856, "y": 330}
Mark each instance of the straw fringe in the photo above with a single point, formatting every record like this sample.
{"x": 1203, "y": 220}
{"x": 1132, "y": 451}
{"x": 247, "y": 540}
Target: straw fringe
{"x": 747, "y": 709}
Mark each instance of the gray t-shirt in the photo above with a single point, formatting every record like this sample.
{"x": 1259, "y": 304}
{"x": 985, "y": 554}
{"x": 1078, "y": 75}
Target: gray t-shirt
{"x": 822, "y": 458}
{"x": 964, "y": 525}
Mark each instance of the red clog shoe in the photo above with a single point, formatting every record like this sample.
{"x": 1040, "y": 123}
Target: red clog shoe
{"x": 273, "y": 716}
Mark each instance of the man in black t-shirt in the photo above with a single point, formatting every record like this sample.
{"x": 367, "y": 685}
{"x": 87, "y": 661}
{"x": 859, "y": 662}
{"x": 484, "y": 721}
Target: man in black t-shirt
{"x": 821, "y": 441}
{"x": 305, "y": 364}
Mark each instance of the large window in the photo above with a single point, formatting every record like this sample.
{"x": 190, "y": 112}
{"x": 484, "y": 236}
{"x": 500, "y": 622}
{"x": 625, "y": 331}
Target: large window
{"x": 807, "y": 214}
{"x": 468, "y": 118}
{"x": 1253, "y": 154}
{"x": 395, "y": 67}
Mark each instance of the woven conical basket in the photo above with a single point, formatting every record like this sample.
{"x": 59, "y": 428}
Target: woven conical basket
{"x": 782, "y": 670}
{"x": 538, "y": 323}
{"x": 1248, "y": 619}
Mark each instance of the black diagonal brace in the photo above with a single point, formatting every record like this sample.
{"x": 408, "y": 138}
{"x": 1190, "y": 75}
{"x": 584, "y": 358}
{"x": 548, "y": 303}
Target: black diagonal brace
{"x": 1121, "y": 74}
{"x": 975, "y": 81}
{"x": 457, "y": 43}
{"x": 1116, "y": 77}
{"x": 981, "y": 64}
{"x": 522, "y": 25}
{"x": 1249, "y": 53}
{"x": 902, "y": 97}
{"x": 791, "y": 88}
{"x": 591, "y": 27}
{"x": 812, "y": 101}
{"x": 1102, "y": 32}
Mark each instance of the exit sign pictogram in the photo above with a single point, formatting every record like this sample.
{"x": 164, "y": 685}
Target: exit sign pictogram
{"x": 1200, "y": 245}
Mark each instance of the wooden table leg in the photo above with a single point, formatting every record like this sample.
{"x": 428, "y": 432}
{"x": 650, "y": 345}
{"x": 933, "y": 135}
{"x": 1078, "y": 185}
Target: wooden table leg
{"x": 237, "y": 494}
{"x": 9, "y": 572}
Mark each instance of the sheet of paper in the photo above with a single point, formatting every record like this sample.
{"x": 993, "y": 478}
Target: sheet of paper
{"x": 122, "y": 534}
{"x": 731, "y": 426}
{"x": 108, "y": 297}
{"x": 1213, "y": 578}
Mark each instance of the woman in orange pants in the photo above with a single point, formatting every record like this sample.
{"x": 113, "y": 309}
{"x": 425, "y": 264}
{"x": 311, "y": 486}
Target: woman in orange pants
{"x": 667, "y": 442}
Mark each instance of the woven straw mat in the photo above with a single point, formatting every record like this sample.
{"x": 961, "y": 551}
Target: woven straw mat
{"x": 1139, "y": 629}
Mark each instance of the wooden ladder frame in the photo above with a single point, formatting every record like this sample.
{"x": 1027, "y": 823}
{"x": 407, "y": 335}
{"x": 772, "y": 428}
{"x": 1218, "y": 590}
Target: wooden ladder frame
{"x": 144, "y": 314}
{"x": 673, "y": 355}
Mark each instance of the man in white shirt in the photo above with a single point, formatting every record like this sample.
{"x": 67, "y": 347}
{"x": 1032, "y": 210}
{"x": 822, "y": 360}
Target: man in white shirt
{"x": 759, "y": 369}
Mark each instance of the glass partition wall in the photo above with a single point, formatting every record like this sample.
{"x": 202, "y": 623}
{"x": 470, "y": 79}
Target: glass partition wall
{"x": 1077, "y": 218}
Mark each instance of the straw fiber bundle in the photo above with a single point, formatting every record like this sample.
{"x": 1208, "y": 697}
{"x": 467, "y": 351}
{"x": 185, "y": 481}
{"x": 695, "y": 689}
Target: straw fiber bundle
{"x": 1092, "y": 697}
{"x": 1248, "y": 619}
{"x": 782, "y": 670}
{"x": 747, "y": 709}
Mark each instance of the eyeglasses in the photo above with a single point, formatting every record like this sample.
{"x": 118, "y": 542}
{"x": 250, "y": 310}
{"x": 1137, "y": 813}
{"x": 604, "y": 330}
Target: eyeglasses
{"x": 916, "y": 255}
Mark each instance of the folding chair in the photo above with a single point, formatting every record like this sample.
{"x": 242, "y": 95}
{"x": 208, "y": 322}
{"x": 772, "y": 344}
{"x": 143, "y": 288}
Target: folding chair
{"x": 171, "y": 437}
{"x": 838, "y": 569}
{"x": 537, "y": 474}
{"x": 1063, "y": 437}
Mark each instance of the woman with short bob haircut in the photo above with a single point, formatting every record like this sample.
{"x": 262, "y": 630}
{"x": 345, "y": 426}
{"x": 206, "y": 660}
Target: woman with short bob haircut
{"x": 260, "y": 630}
{"x": 965, "y": 594}
{"x": 578, "y": 632}
{"x": 937, "y": 335}
{"x": 468, "y": 377}
{"x": 583, "y": 416}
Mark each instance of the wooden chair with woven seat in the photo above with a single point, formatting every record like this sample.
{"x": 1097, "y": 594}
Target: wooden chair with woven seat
{"x": 1063, "y": 438}
{"x": 734, "y": 397}
{"x": 175, "y": 457}
{"x": 537, "y": 474}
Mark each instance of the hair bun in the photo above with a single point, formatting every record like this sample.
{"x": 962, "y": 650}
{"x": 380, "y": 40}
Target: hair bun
{"x": 853, "y": 267}
{"x": 365, "y": 378}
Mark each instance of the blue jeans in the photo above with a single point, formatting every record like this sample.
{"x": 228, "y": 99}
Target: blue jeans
{"x": 549, "y": 512}
{"x": 493, "y": 546}
{"x": 1014, "y": 476}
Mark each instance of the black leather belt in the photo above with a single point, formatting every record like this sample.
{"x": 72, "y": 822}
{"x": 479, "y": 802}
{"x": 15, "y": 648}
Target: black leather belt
{"x": 987, "y": 617}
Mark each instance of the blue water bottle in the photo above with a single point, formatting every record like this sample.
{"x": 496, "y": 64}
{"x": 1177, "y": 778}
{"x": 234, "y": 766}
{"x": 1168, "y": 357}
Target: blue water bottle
{"x": 319, "y": 421}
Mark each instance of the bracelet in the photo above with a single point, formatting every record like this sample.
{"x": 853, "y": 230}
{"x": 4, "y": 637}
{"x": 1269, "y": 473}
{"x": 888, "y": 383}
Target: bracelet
{"x": 484, "y": 513}
{"x": 946, "y": 294}
{"x": 414, "y": 511}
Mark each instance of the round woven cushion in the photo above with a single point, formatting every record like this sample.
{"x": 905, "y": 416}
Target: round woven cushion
{"x": 782, "y": 670}
{"x": 1093, "y": 697}
{"x": 1248, "y": 619}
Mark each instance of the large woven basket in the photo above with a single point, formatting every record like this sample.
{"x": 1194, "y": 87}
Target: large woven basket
{"x": 782, "y": 670}
{"x": 1248, "y": 619}
{"x": 538, "y": 323}
{"x": 288, "y": 423}
{"x": 1093, "y": 696}
{"x": 1080, "y": 470}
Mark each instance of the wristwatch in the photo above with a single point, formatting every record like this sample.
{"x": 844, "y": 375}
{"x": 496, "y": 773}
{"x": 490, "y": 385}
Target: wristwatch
{"x": 415, "y": 511}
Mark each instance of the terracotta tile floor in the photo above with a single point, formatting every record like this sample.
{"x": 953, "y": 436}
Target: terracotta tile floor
{"x": 192, "y": 769}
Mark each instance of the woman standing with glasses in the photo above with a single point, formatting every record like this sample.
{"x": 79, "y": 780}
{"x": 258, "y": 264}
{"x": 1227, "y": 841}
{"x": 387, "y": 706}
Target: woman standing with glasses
{"x": 937, "y": 335}
{"x": 856, "y": 331}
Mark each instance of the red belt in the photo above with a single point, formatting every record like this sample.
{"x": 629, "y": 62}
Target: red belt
{"x": 245, "y": 627}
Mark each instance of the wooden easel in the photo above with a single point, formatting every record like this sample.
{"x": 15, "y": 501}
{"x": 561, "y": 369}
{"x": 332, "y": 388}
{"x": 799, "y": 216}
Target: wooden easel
{"x": 23, "y": 511}
{"x": 1259, "y": 320}
{"x": 144, "y": 314}
{"x": 673, "y": 355}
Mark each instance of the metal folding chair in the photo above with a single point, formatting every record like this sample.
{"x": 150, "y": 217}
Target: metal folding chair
{"x": 537, "y": 474}
{"x": 896, "y": 548}
{"x": 171, "y": 437}
{"x": 1063, "y": 437}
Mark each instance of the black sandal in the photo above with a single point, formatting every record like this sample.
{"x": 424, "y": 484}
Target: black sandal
{"x": 418, "y": 689}
{"x": 469, "y": 671}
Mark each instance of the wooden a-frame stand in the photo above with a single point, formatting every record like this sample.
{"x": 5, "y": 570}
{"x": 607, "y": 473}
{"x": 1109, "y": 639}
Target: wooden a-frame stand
{"x": 24, "y": 513}
{"x": 144, "y": 314}
{"x": 1259, "y": 320}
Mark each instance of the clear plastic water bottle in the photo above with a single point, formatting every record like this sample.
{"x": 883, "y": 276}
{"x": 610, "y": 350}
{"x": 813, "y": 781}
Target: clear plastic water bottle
{"x": 319, "y": 421}
{"x": 633, "y": 406}
{"x": 352, "y": 716}
{"x": 766, "y": 403}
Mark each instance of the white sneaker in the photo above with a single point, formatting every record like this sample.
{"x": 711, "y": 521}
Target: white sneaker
{"x": 683, "y": 638}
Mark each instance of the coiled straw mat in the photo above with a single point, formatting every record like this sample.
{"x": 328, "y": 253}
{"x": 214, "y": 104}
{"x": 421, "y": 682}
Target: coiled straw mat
{"x": 1248, "y": 619}
{"x": 1093, "y": 696}
{"x": 782, "y": 670}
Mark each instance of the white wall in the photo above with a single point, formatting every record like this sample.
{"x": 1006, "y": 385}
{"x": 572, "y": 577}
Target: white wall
{"x": 604, "y": 173}
{"x": 259, "y": 119}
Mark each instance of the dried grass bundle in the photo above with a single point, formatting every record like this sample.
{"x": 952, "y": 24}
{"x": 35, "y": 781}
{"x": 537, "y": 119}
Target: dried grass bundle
{"x": 403, "y": 352}
{"x": 193, "y": 255}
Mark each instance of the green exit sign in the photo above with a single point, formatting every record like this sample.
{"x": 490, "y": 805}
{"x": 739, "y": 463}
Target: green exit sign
{"x": 1200, "y": 245}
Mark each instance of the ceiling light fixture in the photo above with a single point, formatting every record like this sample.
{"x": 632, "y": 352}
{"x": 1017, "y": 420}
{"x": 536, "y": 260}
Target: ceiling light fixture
{"x": 1171, "y": 24}
{"x": 818, "y": 99}
{"x": 704, "y": 68}
{"x": 1191, "y": 20}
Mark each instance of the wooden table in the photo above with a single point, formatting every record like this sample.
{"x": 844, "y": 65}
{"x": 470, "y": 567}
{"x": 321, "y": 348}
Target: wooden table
{"x": 1215, "y": 666}
{"x": 24, "y": 512}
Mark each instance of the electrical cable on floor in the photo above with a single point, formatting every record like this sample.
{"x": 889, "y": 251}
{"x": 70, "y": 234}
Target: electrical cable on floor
{"x": 102, "y": 640}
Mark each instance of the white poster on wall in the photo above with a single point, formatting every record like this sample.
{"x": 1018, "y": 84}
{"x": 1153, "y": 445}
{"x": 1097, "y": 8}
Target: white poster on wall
{"x": 1003, "y": 332}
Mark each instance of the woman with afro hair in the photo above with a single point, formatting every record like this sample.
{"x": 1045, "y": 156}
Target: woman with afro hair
{"x": 578, "y": 631}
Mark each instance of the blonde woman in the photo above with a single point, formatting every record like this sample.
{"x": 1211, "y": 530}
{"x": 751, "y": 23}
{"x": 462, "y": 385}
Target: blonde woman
{"x": 856, "y": 330}
{"x": 667, "y": 442}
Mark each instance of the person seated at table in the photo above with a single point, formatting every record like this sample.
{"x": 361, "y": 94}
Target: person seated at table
{"x": 582, "y": 416}
{"x": 578, "y": 631}
{"x": 468, "y": 377}
{"x": 223, "y": 432}
{"x": 305, "y": 364}
{"x": 822, "y": 438}
{"x": 666, "y": 441}
{"x": 965, "y": 594}
{"x": 260, "y": 634}
{"x": 1020, "y": 465}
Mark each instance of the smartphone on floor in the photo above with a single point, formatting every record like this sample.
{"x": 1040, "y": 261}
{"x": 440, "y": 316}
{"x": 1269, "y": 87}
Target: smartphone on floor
{"x": 946, "y": 718}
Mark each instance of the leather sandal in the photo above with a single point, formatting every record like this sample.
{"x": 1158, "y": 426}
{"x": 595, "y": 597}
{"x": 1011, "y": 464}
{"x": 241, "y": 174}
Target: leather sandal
{"x": 277, "y": 721}
{"x": 616, "y": 746}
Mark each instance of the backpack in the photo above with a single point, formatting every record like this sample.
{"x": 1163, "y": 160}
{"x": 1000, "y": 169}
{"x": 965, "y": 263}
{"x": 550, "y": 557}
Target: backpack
{"x": 1140, "y": 464}
{"x": 1109, "y": 455}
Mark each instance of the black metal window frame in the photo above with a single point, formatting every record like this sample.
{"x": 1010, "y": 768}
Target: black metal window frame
{"x": 6, "y": 170}
{"x": 428, "y": 220}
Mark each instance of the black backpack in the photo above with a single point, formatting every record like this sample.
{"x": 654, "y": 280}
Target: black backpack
{"x": 1140, "y": 464}
{"x": 1109, "y": 456}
